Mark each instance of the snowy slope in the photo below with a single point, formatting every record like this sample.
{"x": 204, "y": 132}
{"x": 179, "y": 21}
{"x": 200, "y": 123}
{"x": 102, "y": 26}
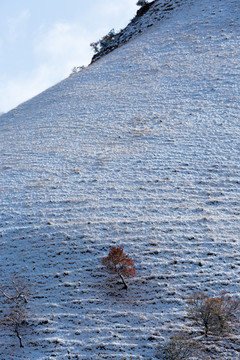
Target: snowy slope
{"x": 140, "y": 149}
{"x": 146, "y": 16}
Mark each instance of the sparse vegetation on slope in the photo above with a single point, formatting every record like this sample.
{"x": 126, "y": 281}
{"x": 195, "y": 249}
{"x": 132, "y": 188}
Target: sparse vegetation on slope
{"x": 139, "y": 149}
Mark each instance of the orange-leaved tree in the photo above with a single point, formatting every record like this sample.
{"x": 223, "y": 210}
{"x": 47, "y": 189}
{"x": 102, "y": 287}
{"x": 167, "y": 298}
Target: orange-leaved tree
{"x": 118, "y": 262}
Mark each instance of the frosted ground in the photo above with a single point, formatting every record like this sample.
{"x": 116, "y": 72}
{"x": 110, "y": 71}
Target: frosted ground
{"x": 141, "y": 149}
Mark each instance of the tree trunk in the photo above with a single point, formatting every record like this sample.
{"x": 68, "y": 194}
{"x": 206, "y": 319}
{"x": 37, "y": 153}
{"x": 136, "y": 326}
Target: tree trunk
{"x": 206, "y": 330}
{"x": 122, "y": 278}
{"x": 19, "y": 337}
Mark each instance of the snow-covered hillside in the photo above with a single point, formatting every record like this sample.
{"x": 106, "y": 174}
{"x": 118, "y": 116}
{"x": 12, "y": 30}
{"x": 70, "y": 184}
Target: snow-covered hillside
{"x": 140, "y": 149}
{"x": 148, "y": 14}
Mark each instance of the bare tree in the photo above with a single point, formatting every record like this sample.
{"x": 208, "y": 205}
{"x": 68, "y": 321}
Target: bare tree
{"x": 15, "y": 296}
{"x": 216, "y": 314}
{"x": 14, "y": 320}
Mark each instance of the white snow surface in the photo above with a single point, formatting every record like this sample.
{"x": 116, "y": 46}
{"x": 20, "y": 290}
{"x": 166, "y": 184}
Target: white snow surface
{"x": 140, "y": 149}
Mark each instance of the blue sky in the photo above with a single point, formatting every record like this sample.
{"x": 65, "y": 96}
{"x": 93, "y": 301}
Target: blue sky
{"x": 42, "y": 40}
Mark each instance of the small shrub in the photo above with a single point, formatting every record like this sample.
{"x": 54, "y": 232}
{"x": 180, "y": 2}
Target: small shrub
{"x": 77, "y": 69}
{"x": 179, "y": 347}
{"x": 117, "y": 262}
{"x": 14, "y": 320}
{"x": 95, "y": 46}
{"x": 216, "y": 315}
{"x": 104, "y": 42}
{"x": 141, "y": 3}
{"x": 15, "y": 296}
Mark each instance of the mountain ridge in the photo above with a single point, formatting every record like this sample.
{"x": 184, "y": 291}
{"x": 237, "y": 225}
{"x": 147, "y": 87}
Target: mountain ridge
{"x": 146, "y": 16}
